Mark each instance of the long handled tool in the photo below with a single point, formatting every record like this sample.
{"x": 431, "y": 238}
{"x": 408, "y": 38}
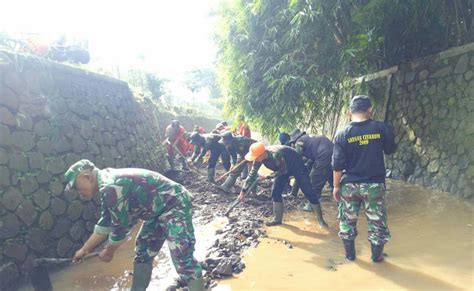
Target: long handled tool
{"x": 231, "y": 170}
{"x": 237, "y": 200}
{"x": 39, "y": 274}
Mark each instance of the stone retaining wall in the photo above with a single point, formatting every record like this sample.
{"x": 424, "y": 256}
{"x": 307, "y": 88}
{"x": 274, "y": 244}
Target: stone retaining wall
{"x": 430, "y": 103}
{"x": 52, "y": 115}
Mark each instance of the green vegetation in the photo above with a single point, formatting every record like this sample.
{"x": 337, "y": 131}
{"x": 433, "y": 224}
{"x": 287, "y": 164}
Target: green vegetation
{"x": 285, "y": 62}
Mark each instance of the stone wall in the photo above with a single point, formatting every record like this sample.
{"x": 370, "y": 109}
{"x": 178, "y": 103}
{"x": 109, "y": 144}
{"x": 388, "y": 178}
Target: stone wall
{"x": 52, "y": 115}
{"x": 430, "y": 103}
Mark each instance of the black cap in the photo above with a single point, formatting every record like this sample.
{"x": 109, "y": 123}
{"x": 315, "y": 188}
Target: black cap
{"x": 360, "y": 103}
{"x": 296, "y": 134}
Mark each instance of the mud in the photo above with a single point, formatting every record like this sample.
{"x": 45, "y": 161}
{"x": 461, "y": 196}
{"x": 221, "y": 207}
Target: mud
{"x": 431, "y": 248}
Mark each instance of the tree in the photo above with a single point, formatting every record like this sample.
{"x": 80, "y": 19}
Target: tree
{"x": 284, "y": 62}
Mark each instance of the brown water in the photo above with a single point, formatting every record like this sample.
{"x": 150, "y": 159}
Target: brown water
{"x": 94, "y": 274}
{"x": 431, "y": 249}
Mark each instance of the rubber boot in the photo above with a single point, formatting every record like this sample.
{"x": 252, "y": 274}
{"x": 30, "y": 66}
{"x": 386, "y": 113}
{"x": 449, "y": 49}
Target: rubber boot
{"x": 196, "y": 285}
{"x": 229, "y": 182}
{"x": 171, "y": 162}
{"x": 319, "y": 214}
{"x": 377, "y": 253}
{"x": 184, "y": 165}
{"x": 141, "y": 276}
{"x": 349, "y": 247}
{"x": 278, "y": 214}
{"x": 307, "y": 207}
{"x": 211, "y": 172}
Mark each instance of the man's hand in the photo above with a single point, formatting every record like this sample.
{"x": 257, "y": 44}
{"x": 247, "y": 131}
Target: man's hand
{"x": 242, "y": 196}
{"x": 79, "y": 255}
{"x": 106, "y": 255}
{"x": 336, "y": 194}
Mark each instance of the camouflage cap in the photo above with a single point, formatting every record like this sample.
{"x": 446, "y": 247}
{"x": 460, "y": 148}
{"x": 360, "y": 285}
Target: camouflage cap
{"x": 74, "y": 170}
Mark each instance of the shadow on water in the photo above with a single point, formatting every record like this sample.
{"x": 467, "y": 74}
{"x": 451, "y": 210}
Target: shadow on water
{"x": 406, "y": 278}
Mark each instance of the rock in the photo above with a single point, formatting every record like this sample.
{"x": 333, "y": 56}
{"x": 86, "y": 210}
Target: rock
{"x": 64, "y": 245}
{"x": 19, "y": 162}
{"x": 41, "y": 198}
{"x": 5, "y": 136}
{"x": 37, "y": 239}
{"x": 27, "y": 212}
{"x": 72, "y": 158}
{"x": 90, "y": 211}
{"x": 6, "y": 117}
{"x": 71, "y": 195}
{"x": 9, "y": 226}
{"x": 42, "y": 128}
{"x": 24, "y": 121}
{"x": 3, "y": 157}
{"x": 56, "y": 187}
{"x": 224, "y": 268}
{"x": 56, "y": 166}
{"x": 8, "y": 98}
{"x": 62, "y": 145}
{"x": 45, "y": 146}
{"x": 8, "y": 273}
{"x": 11, "y": 199}
{"x": 58, "y": 206}
{"x": 37, "y": 160}
{"x": 442, "y": 72}
{"x": 77, "y": 230}
{"x": 46, "y": 220}
{"x": 4, "y": 177}
{"x": 29, "y": 185}
{"x": 16, "y": 250}
{"x": 78, "y": 144}
{"x": 44, "y": 177}
{"x": 86, "y": 131}
{"x": 24, "y": 140}
{"x": 74, "y": 210}
{"x": 61, "y": 227}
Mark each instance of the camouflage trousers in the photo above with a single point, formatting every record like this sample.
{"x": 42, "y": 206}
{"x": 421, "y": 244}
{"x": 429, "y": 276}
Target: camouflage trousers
{"x": 370, "y": 196}
{"x": 176, "y": 227}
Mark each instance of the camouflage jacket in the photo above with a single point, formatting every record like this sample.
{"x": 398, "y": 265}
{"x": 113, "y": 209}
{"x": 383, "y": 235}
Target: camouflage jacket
{"x": 127, "y": 195}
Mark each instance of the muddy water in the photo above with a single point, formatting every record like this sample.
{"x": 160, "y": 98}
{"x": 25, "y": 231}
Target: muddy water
{"x": 431, "y": 249}
{"x": 94, "y": 274}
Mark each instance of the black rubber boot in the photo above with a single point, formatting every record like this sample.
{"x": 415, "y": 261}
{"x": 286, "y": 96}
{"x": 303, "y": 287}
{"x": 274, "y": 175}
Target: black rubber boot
{"x": 184, "y": 165}
{"x": 171, "y": 162}
{"x": 141, "y": 276}
{"x": 277, "y": 214}
{"x": 211, "y": 173}
{"x": 349, "y": 247}
{"x": 377, "y": 253}
{"x": 229, "y": 182}
{"x": 319, "y": 214}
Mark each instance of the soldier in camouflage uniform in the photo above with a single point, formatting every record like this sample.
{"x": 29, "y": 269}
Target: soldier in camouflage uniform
{"x": 129, "y": 195}
{"x": 286, "y": 162}
{"x": 237, "y": 147}
{"x": 358, "y": 151}
{"x": 209, "y": 142}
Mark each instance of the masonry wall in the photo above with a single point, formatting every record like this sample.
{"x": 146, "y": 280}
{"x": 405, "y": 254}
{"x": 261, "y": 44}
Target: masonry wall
{"x": 430, "y": 103}
{"x": 52, "y": 115}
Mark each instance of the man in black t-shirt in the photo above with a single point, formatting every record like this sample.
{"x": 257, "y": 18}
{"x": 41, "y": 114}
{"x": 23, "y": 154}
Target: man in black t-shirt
{"x": 359, "y": 176}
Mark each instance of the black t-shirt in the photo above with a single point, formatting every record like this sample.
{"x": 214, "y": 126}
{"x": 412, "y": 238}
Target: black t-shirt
{"x": 359, "y": 149}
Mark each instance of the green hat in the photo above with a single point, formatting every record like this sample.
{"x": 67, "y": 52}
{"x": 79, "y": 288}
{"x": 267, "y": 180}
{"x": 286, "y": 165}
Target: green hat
{"x": 74, "y": 170}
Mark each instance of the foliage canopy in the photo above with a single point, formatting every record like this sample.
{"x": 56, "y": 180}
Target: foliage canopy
{"x": 282, "y": 62}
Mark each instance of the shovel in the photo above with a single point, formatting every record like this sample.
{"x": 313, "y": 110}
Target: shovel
{"x": 237, "y": 200}
{"x": 39, "y": 274}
